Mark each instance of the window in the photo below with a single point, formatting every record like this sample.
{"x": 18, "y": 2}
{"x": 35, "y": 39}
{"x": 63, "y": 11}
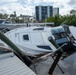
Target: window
{"x": 38, "y": 29}
{"x": 44, "y": 47}
{"x": 57, "y": 30}
{"x": 25, "y": 37}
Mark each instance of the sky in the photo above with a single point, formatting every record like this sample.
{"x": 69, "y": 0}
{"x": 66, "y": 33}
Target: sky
{"x": 27, "y": 7}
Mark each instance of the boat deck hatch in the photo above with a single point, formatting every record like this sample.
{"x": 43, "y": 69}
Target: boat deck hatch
{"x": 38, "y": 29}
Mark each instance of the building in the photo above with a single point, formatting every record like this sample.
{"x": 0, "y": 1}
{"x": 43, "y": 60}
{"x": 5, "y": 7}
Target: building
{"x": 55, "y": 11}
{"x": 42, "y": 12}
{"x": 25, "y": 18}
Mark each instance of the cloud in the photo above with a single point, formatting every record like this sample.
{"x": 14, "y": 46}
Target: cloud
{"x": 27, "y": 7}
{"x": 72, "y": 3}
{"x": 2, "y": 2}
{"x": 14, "y": 5}
{"x": 10, "y": 8}
{"x": 22, "y": 2}
{"x": 64, "y": 6}
{"x": 37, "y": 1}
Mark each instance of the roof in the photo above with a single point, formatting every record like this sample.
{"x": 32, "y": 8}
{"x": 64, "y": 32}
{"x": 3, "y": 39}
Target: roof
{"x": 28, "y": 29}
{"x": 11, "y": 65}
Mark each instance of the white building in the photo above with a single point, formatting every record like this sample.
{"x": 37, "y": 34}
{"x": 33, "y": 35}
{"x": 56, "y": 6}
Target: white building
{"x": 55, "y": 11}
{"x": 25, "y": 18}
{"x": 42, "y": 12}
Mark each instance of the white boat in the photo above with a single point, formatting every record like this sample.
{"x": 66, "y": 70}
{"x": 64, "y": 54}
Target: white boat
{"x": 5, "y": 22}
{"x": 34, "y": 40}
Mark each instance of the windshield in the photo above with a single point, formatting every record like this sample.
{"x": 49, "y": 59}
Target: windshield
{"x": 57, "y": 30}
{"x": 60, "y": 35}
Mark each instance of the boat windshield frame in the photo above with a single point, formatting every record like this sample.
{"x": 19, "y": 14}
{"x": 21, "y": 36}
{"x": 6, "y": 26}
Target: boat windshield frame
{"x": 60, "y": 35}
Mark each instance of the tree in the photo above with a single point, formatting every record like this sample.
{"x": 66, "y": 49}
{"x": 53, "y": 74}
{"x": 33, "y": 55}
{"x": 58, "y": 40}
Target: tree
{"x": 3, "y": 16}
{"x": 57, "y": 19}
{"x": 70, "y": 19}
